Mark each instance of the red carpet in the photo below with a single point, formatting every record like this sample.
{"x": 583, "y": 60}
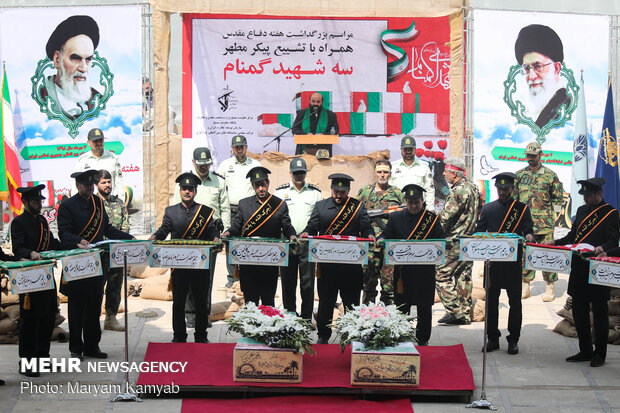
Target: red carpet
{"x": 443, "y": 368}
{"x": 298, "y": 404}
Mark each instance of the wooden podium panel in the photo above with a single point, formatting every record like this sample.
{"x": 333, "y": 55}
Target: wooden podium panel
{"x": 315, "y": 139}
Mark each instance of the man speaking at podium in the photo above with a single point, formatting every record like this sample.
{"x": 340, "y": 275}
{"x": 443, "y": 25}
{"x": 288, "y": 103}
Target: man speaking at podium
{"x": 315, "y": 120}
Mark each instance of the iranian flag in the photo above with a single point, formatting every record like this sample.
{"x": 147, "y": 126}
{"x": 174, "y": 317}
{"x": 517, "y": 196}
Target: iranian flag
{"x": 10, "y": 177}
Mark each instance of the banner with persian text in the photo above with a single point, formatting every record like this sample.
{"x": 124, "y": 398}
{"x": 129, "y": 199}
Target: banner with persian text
{"x": 250, "y": 75}
{"x": 72, "y": 69}
{"x": 526, "y": 84}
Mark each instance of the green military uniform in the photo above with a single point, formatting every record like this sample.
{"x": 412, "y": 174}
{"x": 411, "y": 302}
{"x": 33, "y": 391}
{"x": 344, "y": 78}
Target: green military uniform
{"x": 375, "y": 269}
{"x": 119, "y": 219}
{"x": 540, "y": 191}
{"x": 453, "y": 279}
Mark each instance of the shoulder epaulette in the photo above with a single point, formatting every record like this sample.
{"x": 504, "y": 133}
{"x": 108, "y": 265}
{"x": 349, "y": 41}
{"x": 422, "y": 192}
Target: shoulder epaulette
{"x": 312, "y": 186}
{"x": 284, "y": 186}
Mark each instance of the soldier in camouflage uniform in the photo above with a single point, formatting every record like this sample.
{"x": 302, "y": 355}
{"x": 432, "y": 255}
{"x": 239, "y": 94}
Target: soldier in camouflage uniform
{"x": 540, "y": 189}
{"x": 379, "y": 195}
{"x": 459, "y": 216}
{"x": 119, "y": 219}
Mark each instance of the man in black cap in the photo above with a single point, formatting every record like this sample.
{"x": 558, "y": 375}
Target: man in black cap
{"x": 506, "y": 215}
{"x": 300, "y": 197}
{"x": 100, "y": 158}
{"x": 596, "y": 223}
{"x": 540, "y": 54}
{"x": 82, "y": 220}
{"x": 315, "y": 120}
{"x": 189, "y": 220}
{"x": 338, "y": 215}
{"x": 261, "y": 215}
{"x": 30, "y": 234}
{"x": 211, "y": 192}
{"x": 415, "y": 284}
{"x": 71, "y": 48}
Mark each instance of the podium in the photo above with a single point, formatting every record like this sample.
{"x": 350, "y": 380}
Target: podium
{"x": 312, "y": 143}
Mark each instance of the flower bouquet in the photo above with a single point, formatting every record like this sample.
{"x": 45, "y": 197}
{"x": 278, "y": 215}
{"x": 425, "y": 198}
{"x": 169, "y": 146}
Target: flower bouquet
{"x": 272, "y": 327}
{"x": 375, "y": 326}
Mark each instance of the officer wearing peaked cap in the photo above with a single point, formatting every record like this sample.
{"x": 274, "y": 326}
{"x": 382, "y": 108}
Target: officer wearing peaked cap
{"x": 505, "y": 215}
{"x": 300, "y": 197}
{"x": 415, "y": 284}
{"x": 338, "y": 215}
{"x": 82, "y": 220}
{"x": 234, "y": 171}
{"x": 261, "y": 215}
{"x": 596, "y": 223}
{"x": 410, "y": 170}
{"x": 189, "y": 220}
{"x": 30, "y": 234}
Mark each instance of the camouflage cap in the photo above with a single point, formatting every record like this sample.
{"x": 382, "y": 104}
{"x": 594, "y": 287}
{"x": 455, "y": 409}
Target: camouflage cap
{"x": 533, "y": 148}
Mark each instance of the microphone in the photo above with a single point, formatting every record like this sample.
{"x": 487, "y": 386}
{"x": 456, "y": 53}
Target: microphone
{"x": 315, "y": 110}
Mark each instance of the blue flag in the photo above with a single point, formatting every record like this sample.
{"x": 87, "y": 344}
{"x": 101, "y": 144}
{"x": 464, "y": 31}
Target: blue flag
{"x": 607, "y": 158}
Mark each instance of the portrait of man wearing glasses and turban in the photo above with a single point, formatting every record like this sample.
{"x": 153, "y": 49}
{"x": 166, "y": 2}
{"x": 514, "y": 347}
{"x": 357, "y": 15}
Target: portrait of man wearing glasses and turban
{"x": 540, "y": 53}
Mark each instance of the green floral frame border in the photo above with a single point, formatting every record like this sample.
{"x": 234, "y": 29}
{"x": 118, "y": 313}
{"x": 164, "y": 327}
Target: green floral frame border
{"x": 54, "y": 111}
{"x": 517, "y": 109}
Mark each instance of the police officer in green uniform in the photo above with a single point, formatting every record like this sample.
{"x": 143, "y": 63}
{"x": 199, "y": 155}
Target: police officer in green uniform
{"x": 380, "y": 195}
{"x": 300, "y": 198}
{"x": 119, "y": 219}
{"x": 540, "y": 188}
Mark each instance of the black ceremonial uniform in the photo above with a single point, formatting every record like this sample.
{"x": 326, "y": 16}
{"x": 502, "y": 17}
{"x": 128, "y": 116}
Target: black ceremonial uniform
{"x": 85, "y": 296}
{"x": 259, "y": 282}
{"x": 31, "y": 233}
{"x": 346, "y": 278}
{"x": 603, "y": 233}
{"x": 415, "y": 284}
{"x": 177, "y": 220}
{"x": 506, "y": 275}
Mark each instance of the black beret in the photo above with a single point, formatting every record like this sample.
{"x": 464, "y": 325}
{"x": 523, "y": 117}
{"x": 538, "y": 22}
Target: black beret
{"x": 31, "y": 192}
{"x": 592, "y": 185}
{"x": 540, "y": 39}
{"x": 258, "y": 173}
{"x": 86, "y": 177}
{"x": 73, "y": 26}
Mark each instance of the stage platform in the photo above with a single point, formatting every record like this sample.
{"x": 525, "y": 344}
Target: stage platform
{"x": 444, "y": 371}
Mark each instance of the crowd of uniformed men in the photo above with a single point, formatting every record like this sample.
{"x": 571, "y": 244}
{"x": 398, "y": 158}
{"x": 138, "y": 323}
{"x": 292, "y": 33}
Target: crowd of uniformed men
{"x": 236, "y": 201}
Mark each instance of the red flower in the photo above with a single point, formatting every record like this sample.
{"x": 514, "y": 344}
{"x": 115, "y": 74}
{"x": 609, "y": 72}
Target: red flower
{"x": 438, "y": 156}
{"x": 428, "y": 144}
{"x": 419, "y": 152}
{"x": 443, "y": 144}
{"x": 269, "y": 311}
{"x": 427, "y": 154}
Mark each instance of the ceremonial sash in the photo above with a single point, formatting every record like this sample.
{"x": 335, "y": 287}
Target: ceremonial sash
{"x": 513, "y": 217}
{"x": 424, "y": 226}
{"x": 44, "y": 239}
{"x": 321, "y": 126}
{"x": 344, "y": 217}
{"x": 90, "y": 231}
{"x": 260, "y": 216}
{"x": 593, "y": 220}
{"x": 199, "y": 223}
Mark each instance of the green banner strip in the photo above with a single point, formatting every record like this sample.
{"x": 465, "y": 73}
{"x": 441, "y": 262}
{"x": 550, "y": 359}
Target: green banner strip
{"x": 374, "y": 101}
{"x": 65, "y": 151}
{"x": 285, "y": 120}
{"x": 357, "y": 123}
{"x": 502, "y": 153}
{"x": 407, "y": 122}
